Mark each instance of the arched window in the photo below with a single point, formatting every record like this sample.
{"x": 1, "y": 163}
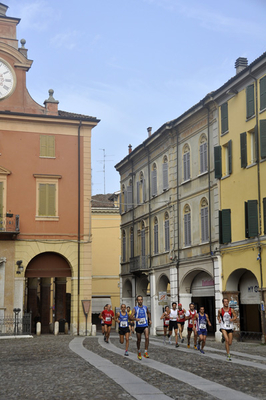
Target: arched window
{"x": 165, "y": 173}
{"x": 124, "y": 246}
{"x": 155, "y": 236}
{"x": 143, "y": 244}
{"x": 203, "y": 154}
{"x": 131, "y": 242}
{"x": 129, "y": 195}
{"x": 140, "y": 189}
{"x": 187, "y": 225}
{"x": 166, "y": 232}
{"x": 186, "y": 162}
{"x": 204, "y": 219}
{"x": 154, "y": 180}
{"x": 123, "y": 199}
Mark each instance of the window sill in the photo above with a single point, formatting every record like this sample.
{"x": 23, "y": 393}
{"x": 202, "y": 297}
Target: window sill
{"x": 224, "y": 133}
{"x": 251, "y": 165}
{"x": 187, "y": 247}
{"x": 184, "y": 182}
{"x": 262, "y": 160}
{"x": 249, "y": 118}
{"x": 224, "y": 177}
{"x": 202, "y": 174}
{"x": 53, "y": 158}
{"x": 261, "y": 111}
{"x": 46, "y": 218}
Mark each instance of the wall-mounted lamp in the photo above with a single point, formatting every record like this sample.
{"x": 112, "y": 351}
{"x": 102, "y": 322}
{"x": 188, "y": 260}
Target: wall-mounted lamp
{"x": 20, "y": 267}
{"x": 232, "y": 91}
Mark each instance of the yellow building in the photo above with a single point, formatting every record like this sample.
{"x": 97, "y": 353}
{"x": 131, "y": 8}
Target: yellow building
{"x": 240, "y": 164}
{"x": 106, "y": 245}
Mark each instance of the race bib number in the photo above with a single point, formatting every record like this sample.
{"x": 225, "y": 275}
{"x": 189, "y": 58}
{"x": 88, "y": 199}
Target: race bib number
{"x": 141, "y": 321}
{"x": 202, "y": 326}
{"x": 107, "y": 319}
{"x": 166, "y": 322}
{"x": 191, "y": 322}
{"x": 123, "y": 324}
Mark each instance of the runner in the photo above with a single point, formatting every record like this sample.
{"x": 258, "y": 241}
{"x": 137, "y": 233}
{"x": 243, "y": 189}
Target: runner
{"x": 107, "y": 316}
{"x": 190, "y": 314}
{"x": 173, "y": 323}
{"x": 122, "y": 318}
{"x": 181, "y": 321}
{"x": 102, "y": 321}
{"x": 202, "y": 321}
{"x": 226, "y": 318}
{"x": 166, "y": 319}
{"x": 142, "y": 317}
{"x": 130, "y": 323}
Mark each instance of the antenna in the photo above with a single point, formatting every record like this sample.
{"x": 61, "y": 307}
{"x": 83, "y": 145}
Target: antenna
{"x": 103, "y": 161}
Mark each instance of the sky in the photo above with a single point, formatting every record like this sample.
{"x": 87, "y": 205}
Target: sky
{"x": 133, "y": 64}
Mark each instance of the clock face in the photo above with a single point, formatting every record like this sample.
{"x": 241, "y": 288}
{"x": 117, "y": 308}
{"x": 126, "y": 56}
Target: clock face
{"x": 7, "y": 81}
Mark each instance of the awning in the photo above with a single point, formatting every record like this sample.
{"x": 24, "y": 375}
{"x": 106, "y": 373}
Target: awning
{"x": 98, "y": 304}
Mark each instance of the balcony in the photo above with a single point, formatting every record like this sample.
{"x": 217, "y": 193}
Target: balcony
{"x": 139, "y": 264}
{"x": 9, "y": 226}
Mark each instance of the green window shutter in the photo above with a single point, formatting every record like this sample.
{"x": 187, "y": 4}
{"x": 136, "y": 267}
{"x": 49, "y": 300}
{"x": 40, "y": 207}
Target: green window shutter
{"x": 42, "y": 199}
{"x": 50, "y": 146}
{"x": 250, "y": 101}
{"x": 43, "y": 145}
{"x": 230, "y": 157}
{"x": 218, "y": 162}
{"x": 225, "y": 226}
{"x": 264, "y": 214}
{"x": 224, "y": 117}
{"x": 51, "y": 200}
{"x": 263, "y": 138}
{"x": 1, "y": 200}
{"x": 263, "y": 93}
{"x": 251, "y": 218}
{"x": 243, "y": 149}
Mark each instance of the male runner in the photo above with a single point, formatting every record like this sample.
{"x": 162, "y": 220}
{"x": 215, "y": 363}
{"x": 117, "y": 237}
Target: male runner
{"x": 122, "y": 318}
{"x": 102, "y": 321}
{"x": 130, "y": 323}
{"x": 190, "y": 314}
{"x": 202, "y": 321}
{"x": 107, "y": 316}
{"x": 166, "y": 318}
{"x": 142, "y": 317}
{"x": 181, "y": 321}
{"x": 226, "y": 318}
{"x": 173, "y": 323}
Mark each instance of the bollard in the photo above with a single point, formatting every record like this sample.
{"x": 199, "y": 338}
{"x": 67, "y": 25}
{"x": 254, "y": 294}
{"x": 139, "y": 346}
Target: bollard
{"x": 56, "y": 328}
{"x": 66, "y": 328}
{"x": 38, "y": 328}
{"x": 93, "y": 330}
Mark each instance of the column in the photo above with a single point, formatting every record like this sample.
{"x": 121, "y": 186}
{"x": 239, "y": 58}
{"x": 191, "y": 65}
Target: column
{"x": 45, "y": 304}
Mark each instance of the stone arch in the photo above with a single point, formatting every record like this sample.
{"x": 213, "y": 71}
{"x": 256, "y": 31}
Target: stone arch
{"x": 127, "y": 289}
{"x": 142, "y": 286}
{"x": 48, "y": 264}
{"x": 163, "y": 283}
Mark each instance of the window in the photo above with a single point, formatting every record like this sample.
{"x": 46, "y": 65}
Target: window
{"x": 263, "y": 93}
{"x": 155, "y": 236}
{"x": 187, "y": 226}
{"x": 124, "y": 246}
{"x": 224, "y": 118}
{"x": 129, "y": 195}
{"x": 204, "y": 215}
{"x": 252, "y": 147}
{"x": 243, "y": 149}
{"x": 165, "y": 173}
{"x": 131, "y": 243}
{"x": 124, "y": 199}
{"x": 225, "y": 226}
{"x": 141, "y": 189}
{"x": 250, "y": 101}
{"x": 47, "y": 197}
{"x": 264, "y": 214}
{"x": 263, "y": 138}
{"x": 143, "y": 246}
{"x": 186, "y": 162}
{"x": 166, "y": 232}
{"x": 154, "y": 180}
{"x": 251, "y": 218}
{"x": 223, "y": 160}
{"x": 47, "y": 146}
{"x": 203, "y": 154}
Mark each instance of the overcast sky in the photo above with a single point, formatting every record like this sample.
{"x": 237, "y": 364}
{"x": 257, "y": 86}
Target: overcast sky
{"x": 133, "y": 63}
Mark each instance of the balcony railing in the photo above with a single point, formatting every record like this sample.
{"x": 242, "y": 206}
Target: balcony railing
{"x": 9, "y": 223}
{"x": 138, "y": 264}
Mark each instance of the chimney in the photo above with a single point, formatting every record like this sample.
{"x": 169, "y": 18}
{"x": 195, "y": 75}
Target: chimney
{"x": 129, "y": 148}
{"x": 240, "y": 64}
{"x": 149, "y": 131}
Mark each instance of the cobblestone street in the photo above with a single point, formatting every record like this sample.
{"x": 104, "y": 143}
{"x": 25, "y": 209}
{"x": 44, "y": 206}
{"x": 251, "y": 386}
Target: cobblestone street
{"x": 45, "y": 367}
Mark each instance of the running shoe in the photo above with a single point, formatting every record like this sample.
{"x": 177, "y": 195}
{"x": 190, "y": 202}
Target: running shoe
{"x": 188, "y": 346}
{"x": 198, "y": 346}
{"x": 170, "y": 341}
{"x": 229, "y": 357}
{"x": 195, "y": 347}
{"x": 182, "y": 340}
{"x": 104, "y": 338}
{"x": 106, "y": 341}
{"x": 223, "y": 339}
{"x": 126, "y": 353}
{"x": 130, "y": 337}
{"x": 146, "y": 355}
{"x": 177, "y": 345}
{"x": 202, "y": 352}
{"x": 139, "y": 355}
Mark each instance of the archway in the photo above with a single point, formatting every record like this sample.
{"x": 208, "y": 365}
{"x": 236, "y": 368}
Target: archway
{"x": 48, "y": 290}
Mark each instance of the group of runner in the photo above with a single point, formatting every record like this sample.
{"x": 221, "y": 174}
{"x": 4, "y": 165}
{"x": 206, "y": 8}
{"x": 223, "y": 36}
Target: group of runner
{"x": 173, "y": 319}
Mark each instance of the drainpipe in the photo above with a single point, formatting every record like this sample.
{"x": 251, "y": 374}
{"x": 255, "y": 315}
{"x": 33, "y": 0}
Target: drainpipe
{"x": 177, "y": 217}
{"x": 80, "y": 123}
{"x": 259, "y": 201}
{"x": 149, "y": 183}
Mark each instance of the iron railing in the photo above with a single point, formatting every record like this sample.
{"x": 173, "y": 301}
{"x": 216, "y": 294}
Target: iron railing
{"x": 9, "y": 223}
{"x": 140, "y": 263}
{"x": 247, "y": 336}
{"x": 15, "y": 324}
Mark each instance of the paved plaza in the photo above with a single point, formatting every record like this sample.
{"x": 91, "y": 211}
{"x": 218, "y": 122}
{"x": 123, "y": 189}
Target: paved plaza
{"x": 68, "y": 367}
